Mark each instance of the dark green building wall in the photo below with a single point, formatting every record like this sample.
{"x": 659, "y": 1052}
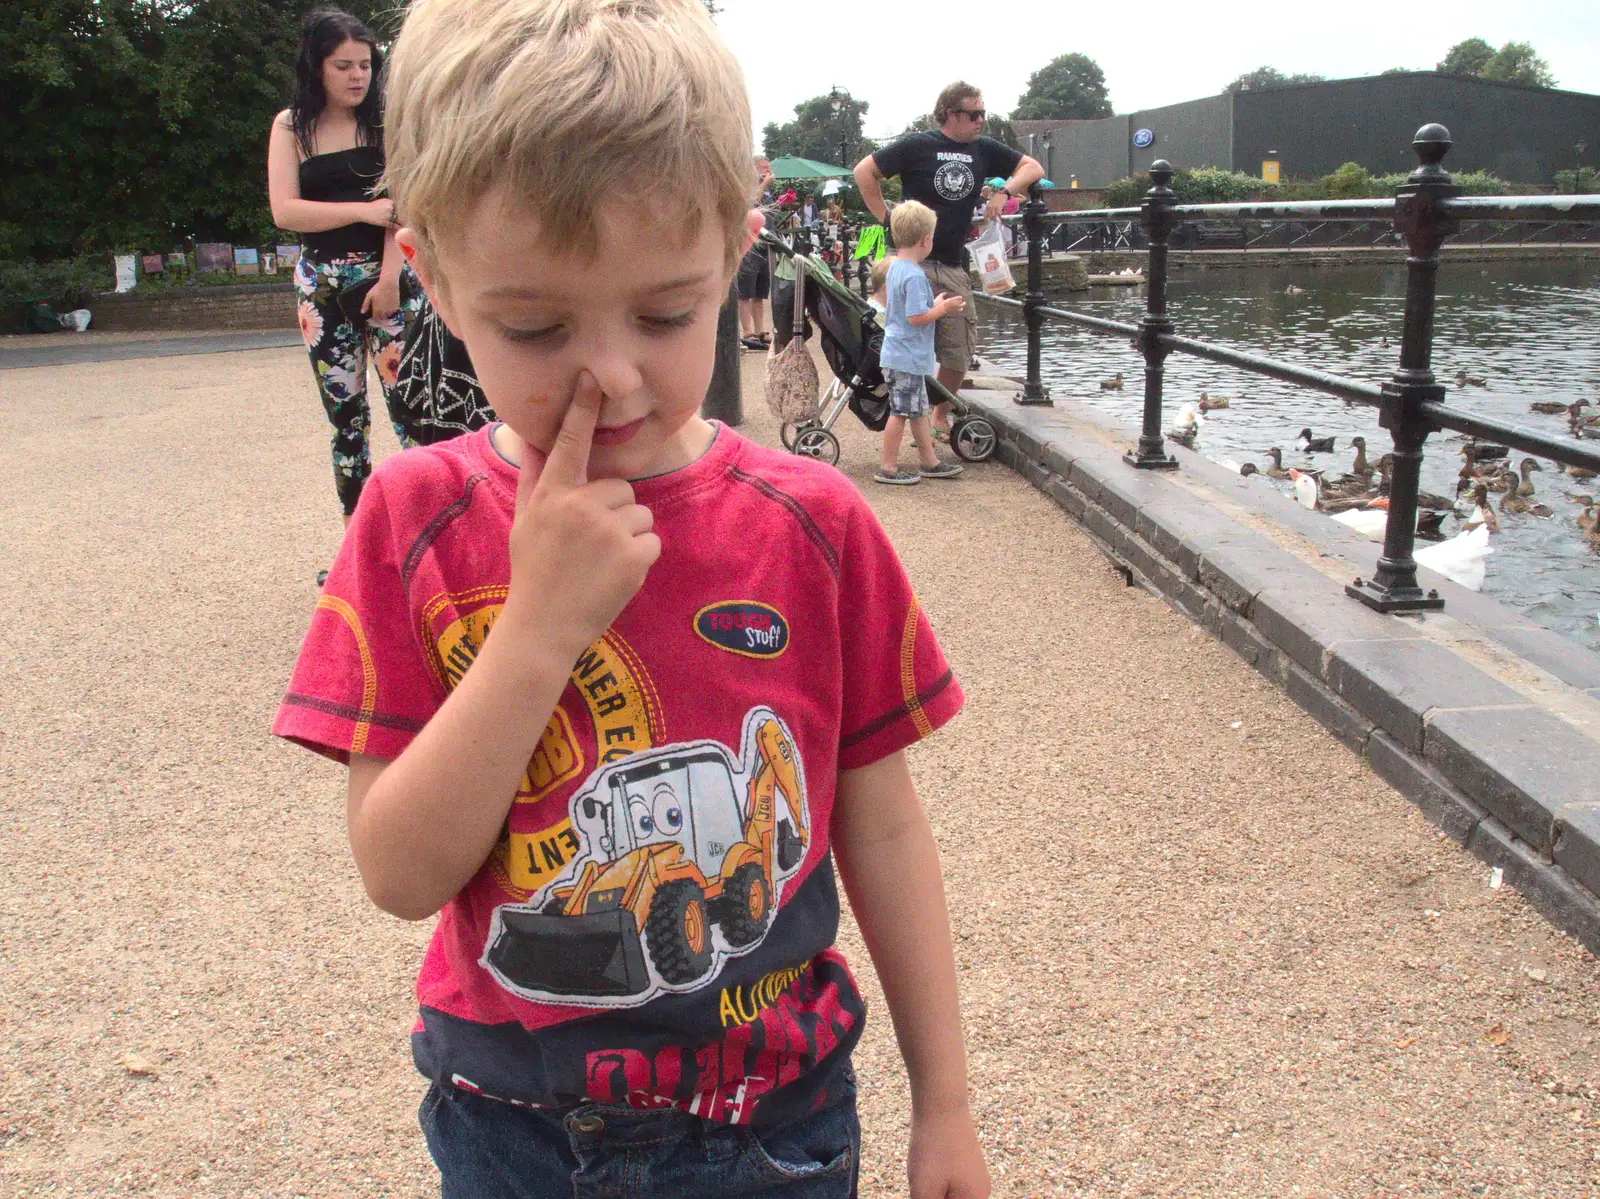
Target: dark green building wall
{"x": 1522, "y": 134}
{"x": 1194, "y": 134}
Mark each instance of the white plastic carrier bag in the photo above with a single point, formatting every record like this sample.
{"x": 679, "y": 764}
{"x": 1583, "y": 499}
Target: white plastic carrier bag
{"x": 989, "y": 255}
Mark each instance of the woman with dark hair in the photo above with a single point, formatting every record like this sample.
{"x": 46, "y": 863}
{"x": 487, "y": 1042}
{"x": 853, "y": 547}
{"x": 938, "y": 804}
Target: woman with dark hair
{"x": 324, "y": 158}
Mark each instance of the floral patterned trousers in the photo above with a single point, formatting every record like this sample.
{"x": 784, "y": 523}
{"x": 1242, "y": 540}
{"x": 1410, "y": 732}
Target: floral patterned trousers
{"x": 339, "y": 348}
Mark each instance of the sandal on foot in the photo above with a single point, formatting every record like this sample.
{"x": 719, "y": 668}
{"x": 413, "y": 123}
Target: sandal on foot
{"x": 942, "y": 435}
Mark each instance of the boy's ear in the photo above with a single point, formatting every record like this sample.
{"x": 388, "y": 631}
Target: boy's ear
{"x": 422, "y": 263}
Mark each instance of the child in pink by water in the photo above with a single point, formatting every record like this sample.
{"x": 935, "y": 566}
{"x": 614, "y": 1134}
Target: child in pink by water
{"x": 615, "y": 686}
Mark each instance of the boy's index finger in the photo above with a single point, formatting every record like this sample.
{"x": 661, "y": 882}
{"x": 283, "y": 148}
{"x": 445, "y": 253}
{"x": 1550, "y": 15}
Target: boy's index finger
{"x": 568, "y": 463}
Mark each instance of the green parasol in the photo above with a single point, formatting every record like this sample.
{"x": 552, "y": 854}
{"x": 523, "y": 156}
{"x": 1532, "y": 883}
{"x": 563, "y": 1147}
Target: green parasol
{"x": 806, "y": 168}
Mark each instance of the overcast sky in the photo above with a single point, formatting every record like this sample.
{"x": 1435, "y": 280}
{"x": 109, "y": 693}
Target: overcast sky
{"x": 897, "y": 54}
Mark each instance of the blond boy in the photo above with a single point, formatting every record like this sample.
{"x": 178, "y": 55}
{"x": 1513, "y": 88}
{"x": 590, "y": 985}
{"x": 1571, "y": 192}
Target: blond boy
{"x": 705, "y": 667}
{"x": 907, "y": 357}
{"x": 878, "y": 278}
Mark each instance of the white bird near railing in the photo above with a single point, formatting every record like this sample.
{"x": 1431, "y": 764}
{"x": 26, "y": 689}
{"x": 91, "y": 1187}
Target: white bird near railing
{"x": 1369, "y": 522}
{"x": 1461, "y": 559}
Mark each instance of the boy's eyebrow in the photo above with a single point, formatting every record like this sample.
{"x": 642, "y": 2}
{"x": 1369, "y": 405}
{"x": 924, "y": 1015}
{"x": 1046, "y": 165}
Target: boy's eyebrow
{"x": 520, "y": 292}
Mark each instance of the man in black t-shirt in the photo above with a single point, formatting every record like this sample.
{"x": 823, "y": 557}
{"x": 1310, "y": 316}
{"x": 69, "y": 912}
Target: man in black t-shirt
{"x": 944, "y": 170}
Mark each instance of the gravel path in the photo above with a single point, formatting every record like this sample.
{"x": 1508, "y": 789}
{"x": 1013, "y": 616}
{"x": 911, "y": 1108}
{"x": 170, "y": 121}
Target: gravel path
{"x": 1205, "y": 951}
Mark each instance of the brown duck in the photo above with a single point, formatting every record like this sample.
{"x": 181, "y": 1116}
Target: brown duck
{"x": 1520, "y": 498}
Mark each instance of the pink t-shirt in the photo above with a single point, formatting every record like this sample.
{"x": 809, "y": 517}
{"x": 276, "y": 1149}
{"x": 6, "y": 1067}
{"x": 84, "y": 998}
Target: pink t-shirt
{"x": 656, "y": 925}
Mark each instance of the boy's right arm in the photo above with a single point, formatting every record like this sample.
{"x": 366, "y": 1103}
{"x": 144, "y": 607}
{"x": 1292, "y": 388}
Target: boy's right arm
{"x": 421, "y": 825}
{"x": 945, "y": 304}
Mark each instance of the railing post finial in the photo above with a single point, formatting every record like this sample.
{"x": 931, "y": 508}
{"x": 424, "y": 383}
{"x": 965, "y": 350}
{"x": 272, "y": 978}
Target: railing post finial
{"x": 1155, "y": 214}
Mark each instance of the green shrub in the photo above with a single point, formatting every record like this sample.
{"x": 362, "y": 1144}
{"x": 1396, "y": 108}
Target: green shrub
{"x": 1204, "y": 185}
{"x": 1575, "y": 183}
{"x": 69, "y": 283}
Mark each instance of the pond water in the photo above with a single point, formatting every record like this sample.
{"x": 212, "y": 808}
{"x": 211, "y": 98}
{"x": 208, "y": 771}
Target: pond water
{"x": 1531, "y": 329}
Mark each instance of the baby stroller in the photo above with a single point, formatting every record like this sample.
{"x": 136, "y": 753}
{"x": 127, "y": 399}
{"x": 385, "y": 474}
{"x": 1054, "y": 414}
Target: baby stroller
{"x": 852, "y": 334}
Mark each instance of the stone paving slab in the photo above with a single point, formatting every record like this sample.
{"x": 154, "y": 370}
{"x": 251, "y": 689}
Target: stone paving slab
{"x": 1485, "y": 719}
{"x": 65, "y": 353}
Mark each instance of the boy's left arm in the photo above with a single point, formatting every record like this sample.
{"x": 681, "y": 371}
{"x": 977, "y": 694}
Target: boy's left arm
{"x": 890, "y": 867}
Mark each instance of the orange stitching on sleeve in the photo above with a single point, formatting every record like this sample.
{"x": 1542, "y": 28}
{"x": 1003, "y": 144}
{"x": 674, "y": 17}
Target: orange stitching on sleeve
{"x": 908, "y": 671}
{"x": 369, "y": 675}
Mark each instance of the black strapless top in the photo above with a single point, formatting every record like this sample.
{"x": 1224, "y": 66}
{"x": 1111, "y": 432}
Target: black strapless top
{"x": 343, "y": 177}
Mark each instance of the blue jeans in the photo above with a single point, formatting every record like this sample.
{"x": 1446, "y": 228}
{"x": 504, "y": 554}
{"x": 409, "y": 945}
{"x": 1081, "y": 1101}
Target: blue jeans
{"x": 486, "y": 1149}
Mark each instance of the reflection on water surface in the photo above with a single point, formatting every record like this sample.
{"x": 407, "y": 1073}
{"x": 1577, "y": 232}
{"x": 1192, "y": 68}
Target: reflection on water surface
{"x": 1530, "y": 329}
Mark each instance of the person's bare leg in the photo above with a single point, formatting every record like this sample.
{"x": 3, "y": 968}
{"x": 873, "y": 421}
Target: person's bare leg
{"x": 760, "y": 318}
{"x": 892, "y": 433}
{"x": 923, "y": 436}
{"x": 747, "y": 317}
{"x": 951, "y": 381}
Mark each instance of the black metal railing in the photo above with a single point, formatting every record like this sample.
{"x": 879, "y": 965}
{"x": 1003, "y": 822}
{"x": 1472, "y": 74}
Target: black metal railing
{"x": 1425, "y": 211}
{"x": 1090, "y": 230}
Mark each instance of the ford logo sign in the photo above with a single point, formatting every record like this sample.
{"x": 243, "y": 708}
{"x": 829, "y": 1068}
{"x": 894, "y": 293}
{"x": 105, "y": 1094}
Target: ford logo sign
{"x": 1143, "y": 138}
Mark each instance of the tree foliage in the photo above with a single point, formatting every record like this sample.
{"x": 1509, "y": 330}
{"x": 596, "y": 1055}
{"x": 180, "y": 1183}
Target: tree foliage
{"x": 131, "y": 124}
{"x": 1514, "y": 62}
{"x": 1254, "y": 81}
{"x": 826, "y": 128}
{"x": 1517, "y": 62}
{"x": 1070, "y": 87}
{"x": 1468, "y": 57}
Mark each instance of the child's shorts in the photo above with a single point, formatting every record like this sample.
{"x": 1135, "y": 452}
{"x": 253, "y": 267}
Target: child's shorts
{"x": 908, "y": 393}
{"x": 486, "y": 1149}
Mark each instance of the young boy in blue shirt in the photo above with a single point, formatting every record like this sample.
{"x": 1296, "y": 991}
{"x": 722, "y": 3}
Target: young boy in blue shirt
{"x": 907, "y": 357}
{"x": 616, "y": 687}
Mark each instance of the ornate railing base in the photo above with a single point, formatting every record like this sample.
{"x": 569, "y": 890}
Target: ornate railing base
{"x": 1155, "y": 461}
{"x": 1393, "y": 599}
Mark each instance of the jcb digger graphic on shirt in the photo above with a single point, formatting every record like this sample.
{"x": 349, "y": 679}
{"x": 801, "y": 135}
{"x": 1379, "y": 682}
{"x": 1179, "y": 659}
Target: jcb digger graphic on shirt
{"x": 685, "y": 850}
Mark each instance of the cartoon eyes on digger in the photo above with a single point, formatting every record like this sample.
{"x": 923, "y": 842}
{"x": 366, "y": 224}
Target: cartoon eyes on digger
{"x": 663, "y": 813}
{"x": 676, "y": 871}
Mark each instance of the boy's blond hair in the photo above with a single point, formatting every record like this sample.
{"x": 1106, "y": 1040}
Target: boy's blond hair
{"x": 880, "y": 273}
{"x": 910, "y": 222}
{"x": 567, "y": 104}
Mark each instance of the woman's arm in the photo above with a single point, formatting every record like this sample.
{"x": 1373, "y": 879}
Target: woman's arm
{"x": 383, "y": 300}
{"x": 890, "y": 867}
{"x": 289, "y": 211}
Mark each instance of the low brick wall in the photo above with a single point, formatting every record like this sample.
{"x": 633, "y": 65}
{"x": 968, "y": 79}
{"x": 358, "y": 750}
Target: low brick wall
{"x": 246, "y": 306}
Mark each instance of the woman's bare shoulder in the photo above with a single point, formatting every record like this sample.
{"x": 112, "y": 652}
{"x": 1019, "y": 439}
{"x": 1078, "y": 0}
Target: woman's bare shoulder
{"x": 284, "y": 120}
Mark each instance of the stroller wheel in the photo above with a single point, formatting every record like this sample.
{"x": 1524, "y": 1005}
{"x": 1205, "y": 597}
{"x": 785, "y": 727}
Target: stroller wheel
{"x": 817, "y": 442}
{"x": 789, "y": 431}
{"x": 973, "y": 439}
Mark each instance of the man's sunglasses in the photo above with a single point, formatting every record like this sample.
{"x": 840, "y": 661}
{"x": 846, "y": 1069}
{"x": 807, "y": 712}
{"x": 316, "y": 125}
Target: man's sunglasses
{"x": 977, "y": 114}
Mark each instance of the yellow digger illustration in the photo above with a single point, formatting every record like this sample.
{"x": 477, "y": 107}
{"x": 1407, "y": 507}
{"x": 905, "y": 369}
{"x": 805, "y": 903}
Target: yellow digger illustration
{"x": 671, "y": 857}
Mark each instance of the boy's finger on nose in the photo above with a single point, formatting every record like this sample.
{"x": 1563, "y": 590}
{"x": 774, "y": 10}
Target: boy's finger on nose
{"x": 528, "y": 474}
{"x": 569, "y": 457}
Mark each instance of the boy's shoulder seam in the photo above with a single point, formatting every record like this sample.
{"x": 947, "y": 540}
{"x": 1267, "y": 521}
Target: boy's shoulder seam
{"x": 802, "y": 515}
{"x": 437, "y": 524}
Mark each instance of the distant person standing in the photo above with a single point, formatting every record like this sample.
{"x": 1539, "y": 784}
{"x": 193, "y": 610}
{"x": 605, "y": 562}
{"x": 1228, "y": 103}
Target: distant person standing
{"x": 944, "y": 169}
{"x": 755, "y": 277}
{"x": 324, "y": 158}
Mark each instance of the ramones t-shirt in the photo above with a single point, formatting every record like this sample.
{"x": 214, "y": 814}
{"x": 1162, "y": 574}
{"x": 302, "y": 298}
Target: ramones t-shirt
{"x": 655, "y": 926}
{"x": 945, "y": 175}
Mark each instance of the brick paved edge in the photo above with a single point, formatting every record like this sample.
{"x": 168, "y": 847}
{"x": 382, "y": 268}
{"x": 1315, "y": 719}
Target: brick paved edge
{"x": 1512, "y": 784}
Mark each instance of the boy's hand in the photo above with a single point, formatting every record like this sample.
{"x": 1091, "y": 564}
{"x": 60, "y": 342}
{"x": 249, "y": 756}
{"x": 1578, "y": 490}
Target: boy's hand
{"x": 946, "y": 1161}
{"x": 947, "y": 303}
{"x": 579, "y": 550}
